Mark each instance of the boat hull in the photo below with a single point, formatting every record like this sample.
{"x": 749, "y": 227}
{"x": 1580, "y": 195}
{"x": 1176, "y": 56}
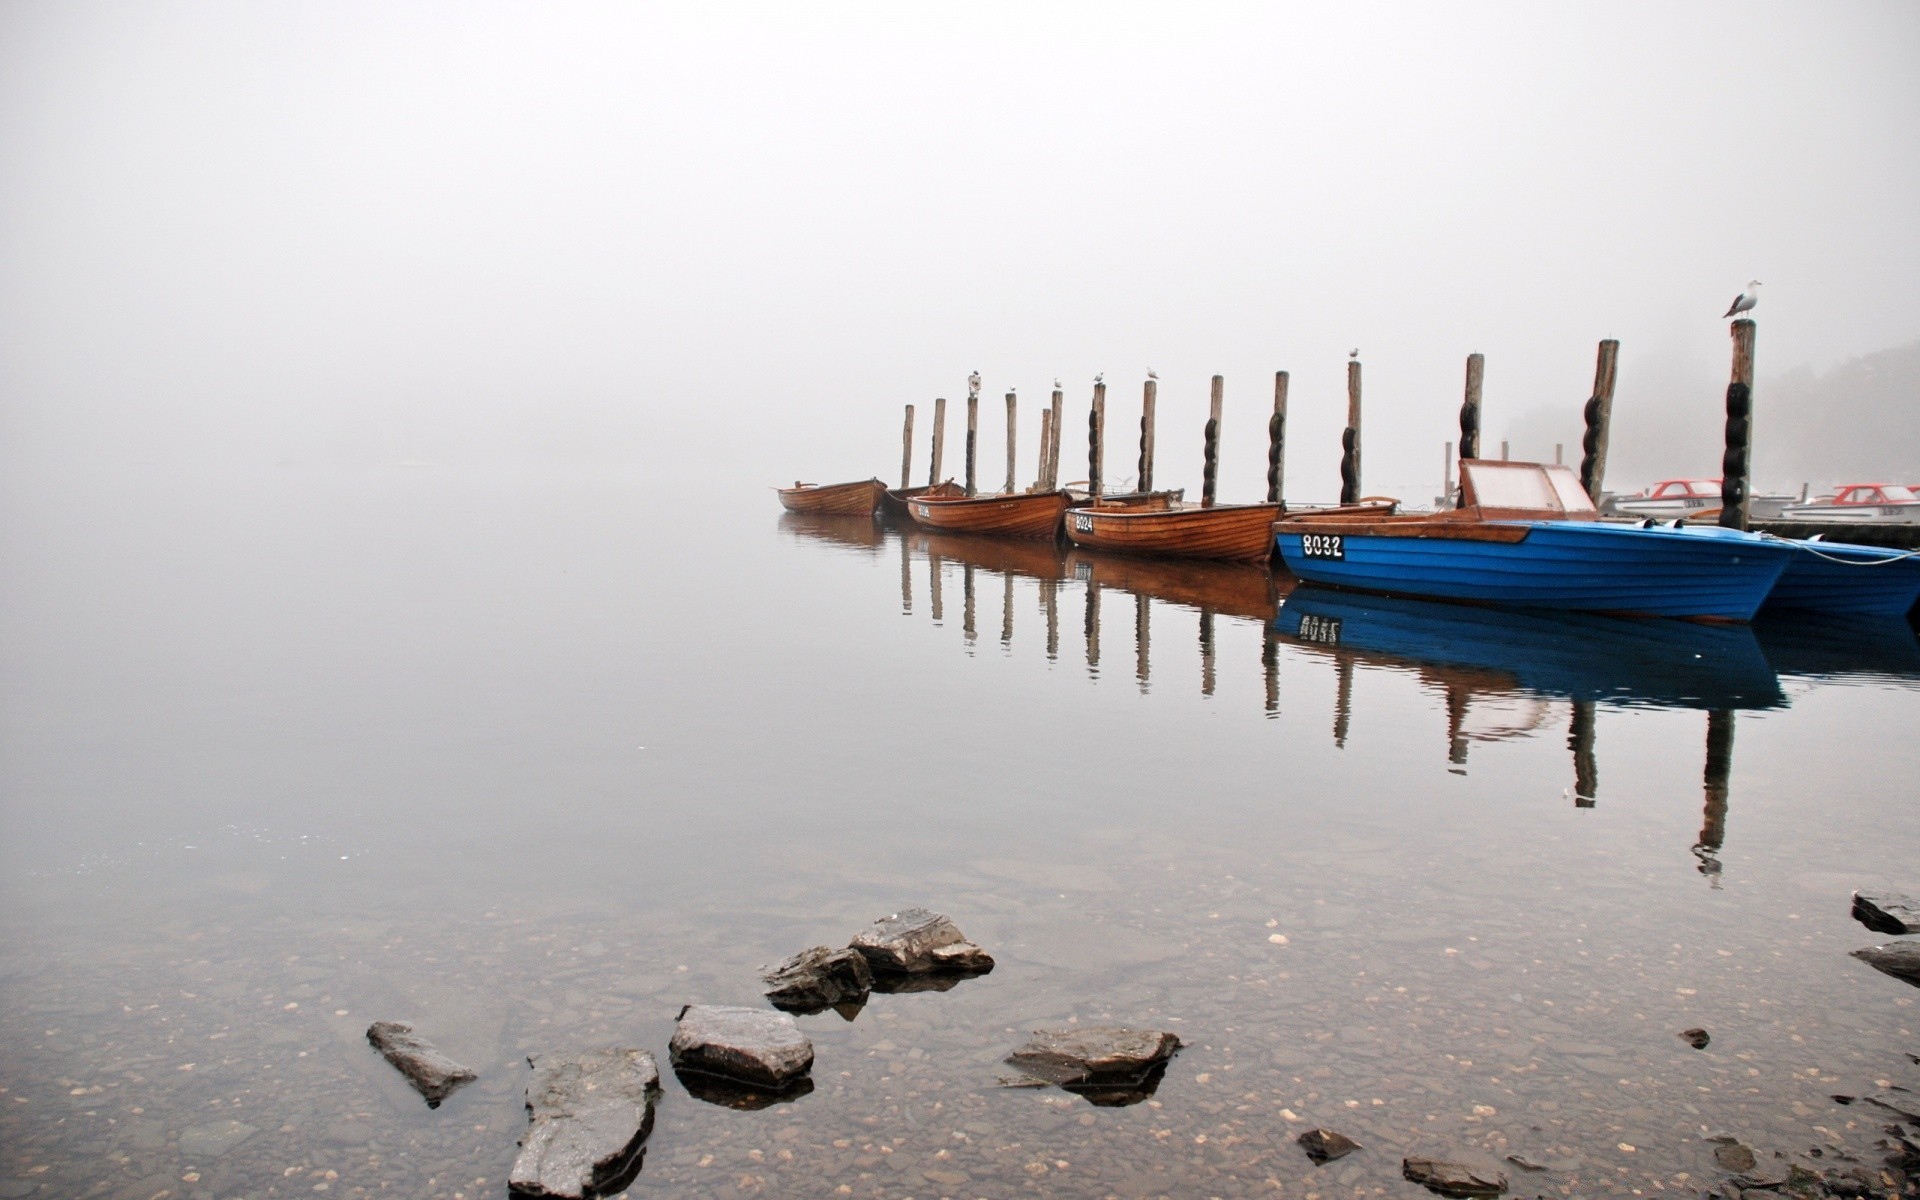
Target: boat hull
{"x": 855, "y": 499}
{"x": 1577, "y": 566}
{"x": 1856, "y": 580}
{"x": 1034, "y": 515}
{"x": 1905, "y": 513}
{"x": 893, "y": 502}
{"x": 1233, "y": 532}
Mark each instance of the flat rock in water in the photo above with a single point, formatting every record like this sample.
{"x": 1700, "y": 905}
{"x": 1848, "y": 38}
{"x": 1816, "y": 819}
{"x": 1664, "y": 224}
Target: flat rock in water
{"x": 1900, "y": 1101}
{"x": 748, "y": 1045}
{"x": 914, "y": 941}
{"x": 1898, "y": 959}
{"x": 431, "y": 1073}
{"x": 1096, "y": 1056}
{"x": 1735, "y": 1157}
{"x": 590, "y": 1114}
{"x": 1451, "y": 1178}
{"x": 1324, "y": 1145}
{"x": 1887, "y": 912}
{"x": 214, "y": 1139}
{"x": 819, "y": 978}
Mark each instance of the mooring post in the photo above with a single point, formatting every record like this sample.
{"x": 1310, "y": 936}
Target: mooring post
{"x": 939, "y": 438}
{"x": 1599, "y": 415}
{"x": 1006, "y": 609}
{"x": 1350, "y": 440}
{"x": 1053, "y": 447}
{"x": 1447, "y": 498}
{"x": 1050, "y": 603}
{"x": 1504, "y": 450}
{"x": 906, "y": 451}
{"x": 1096, "y": 439}
{"x": 1093, "y": 627}
{"x": 1735, "y": 465}
{"x": 973, "y": 434}
{"x": 1559, "y": 454}
{"x": 1277, "y": 441}
{"x": 1040, "y": 482}
{"x": 967, "y": 627}
{"x": 1147, "y": 399}
{"x": 1586, "y": 770}
{"x": 1470, "y": 406}
{"x": 1013, "y": 426}
{"x": 1210, "y": 449}
{"x": 936, "y": 570}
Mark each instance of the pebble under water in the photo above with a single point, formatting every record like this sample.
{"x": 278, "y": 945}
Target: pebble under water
{"x": 496, "y": 758}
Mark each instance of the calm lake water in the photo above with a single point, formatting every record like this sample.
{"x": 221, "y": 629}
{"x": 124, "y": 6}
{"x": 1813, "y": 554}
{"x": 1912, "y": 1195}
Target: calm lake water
{"x": 533, "y": 761}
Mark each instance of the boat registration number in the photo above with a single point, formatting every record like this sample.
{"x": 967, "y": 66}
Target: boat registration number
{"x": 1082, "y": 523}
{"x": 1323, "y": 630}
{"x": 1323, "y": 545}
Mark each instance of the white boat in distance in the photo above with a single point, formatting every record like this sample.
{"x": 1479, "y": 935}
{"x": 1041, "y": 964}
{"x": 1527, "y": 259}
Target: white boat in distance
{"x": 1678, "y": 499}
{"x": 1861, "y": 503}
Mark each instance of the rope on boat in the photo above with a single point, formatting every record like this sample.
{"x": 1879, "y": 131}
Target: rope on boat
{"x": 1799, "y": 544}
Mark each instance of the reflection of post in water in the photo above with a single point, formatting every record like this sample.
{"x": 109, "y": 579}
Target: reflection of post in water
{"x": 1457, "y": 696}
{"x": 1586, "y": 771}
{"x": 1142, "y": 634}
{"x": 1713, "y": 828}
{"x": 906, "y": 577}
{"x": 1270, "y": 664}
{"x": 1050, "y": 603}
{"x": 1093, "y": 625}
{"x": 1343, "y": 703}
{"x": 1208, "y": 675}
{"x": 966, "y": 602}
{"x": 936, "y": 568}
{"x": 1006, "y": 611}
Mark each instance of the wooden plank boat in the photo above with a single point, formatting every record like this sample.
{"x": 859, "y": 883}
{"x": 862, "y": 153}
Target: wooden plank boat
{"x": 1837, "y": 578}
{"x": 893, "y": 502}
{"x": 1527, "y": 536}
{"x": 834, "y": 499}
{"x": 1019, "y": 515}
{"x": 1234, "y": 532}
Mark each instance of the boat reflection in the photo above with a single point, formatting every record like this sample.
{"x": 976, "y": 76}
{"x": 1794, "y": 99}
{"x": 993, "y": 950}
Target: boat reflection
{"x": 861, "y": 533}
{"x": 1833, "y": 649}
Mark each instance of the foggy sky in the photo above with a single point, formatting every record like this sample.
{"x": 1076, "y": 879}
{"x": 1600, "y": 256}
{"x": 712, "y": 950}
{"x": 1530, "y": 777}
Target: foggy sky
{"x": 741, "y": 237}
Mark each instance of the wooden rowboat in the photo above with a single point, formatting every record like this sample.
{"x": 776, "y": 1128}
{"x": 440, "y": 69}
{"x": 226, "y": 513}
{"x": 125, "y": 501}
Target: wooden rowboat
{"x": 834, "y": 499}
{"x": 1234, "y": 532}
{"x": 894, "y": 502}
{"x": 1020, "y": 515}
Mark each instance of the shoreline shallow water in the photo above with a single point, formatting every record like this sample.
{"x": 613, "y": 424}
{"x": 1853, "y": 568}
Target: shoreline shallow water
{"x": 492, "y": 762}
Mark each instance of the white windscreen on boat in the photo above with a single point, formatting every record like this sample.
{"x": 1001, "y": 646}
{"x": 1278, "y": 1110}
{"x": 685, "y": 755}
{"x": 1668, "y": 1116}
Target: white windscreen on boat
{"x": 1531, "y": 487}
{"x": 1566, "y": 484}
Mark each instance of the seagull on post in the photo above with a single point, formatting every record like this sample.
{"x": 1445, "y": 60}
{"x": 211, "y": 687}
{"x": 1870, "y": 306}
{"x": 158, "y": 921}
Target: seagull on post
{"x": 1745, "y": 301}
{"x": 1152, "y": 374}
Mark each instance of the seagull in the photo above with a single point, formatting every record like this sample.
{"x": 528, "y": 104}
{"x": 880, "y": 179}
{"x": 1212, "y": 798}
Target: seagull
{"x": 1056, "y": 384}
{"x": 1354, "y": 353}
{"x": 1745, "y": 300}
{"x": 1100, "y": 378}
{"x": 1152, "y": 374}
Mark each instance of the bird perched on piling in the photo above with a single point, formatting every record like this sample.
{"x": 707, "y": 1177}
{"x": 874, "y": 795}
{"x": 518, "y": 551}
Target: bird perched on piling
{"x": 1354, "y": 353}
{"x": 1056, "y": 384}
{"x": 1152, "y": 374}
{"x": 1745, "y": 301}
{"x": 1100, "y": 378}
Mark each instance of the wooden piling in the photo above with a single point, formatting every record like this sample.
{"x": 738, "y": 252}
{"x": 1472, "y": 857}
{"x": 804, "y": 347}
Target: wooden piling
{"x": 1350, "y": 440}
{"x": 973, "y": 437}
{"x": 906, "y": 451}
{"x": 1209, "y": 671}
{"x": 1447, "y": 497}
{"x": 1277, "y": 440}
{"x": 1006, "y": 610}
{"x": 936, "y": 570}
{"x": 1142, "y": 639}
{"x": 968, "y": 629}
{"x": 1013, "y": 426}
{"x": 1096, "y": 440}
{"x": 1735, "y": 465}
{"x": 1050, "y": 605}
{"x": 1093, "y": 627}
{"x": 1149, "y": 395}
{"x": 1716, "y": 781}
{"x": 1504, "y": 450}
{"x": 1053, "y": 447}
{"x": 1210, "y": 449}
{"x": 1041, "y": 482}
{"x": 939, "y": 438}
{"x": 1599, "y": 419}
{"x": 1470, "y": 406}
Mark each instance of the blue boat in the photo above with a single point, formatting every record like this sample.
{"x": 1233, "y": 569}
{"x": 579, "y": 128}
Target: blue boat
{"x": 1833, "y": 577}
{"x": 1527, "y": 536}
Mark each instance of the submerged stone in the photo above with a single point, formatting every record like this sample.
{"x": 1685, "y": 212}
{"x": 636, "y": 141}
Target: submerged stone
{"x": 590, "y": 1113}
{"x": 914, "y": 941}
{"x": 431, "y": 1073}
{"x": 1697, "y": 1038}
{"x": 1887, "y": 912}
{"x": 748, "y": 1045}
{"x": 1451, "y": 1178}
{"x": 819, "y": 978}
{"x": 214, "y": 1139}
{"x": 1324, "y": 1145}
{"x": 1096, "y": 1056}
{"x": 1735, "y": 1157}
{"x": 1898, "y": 959}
